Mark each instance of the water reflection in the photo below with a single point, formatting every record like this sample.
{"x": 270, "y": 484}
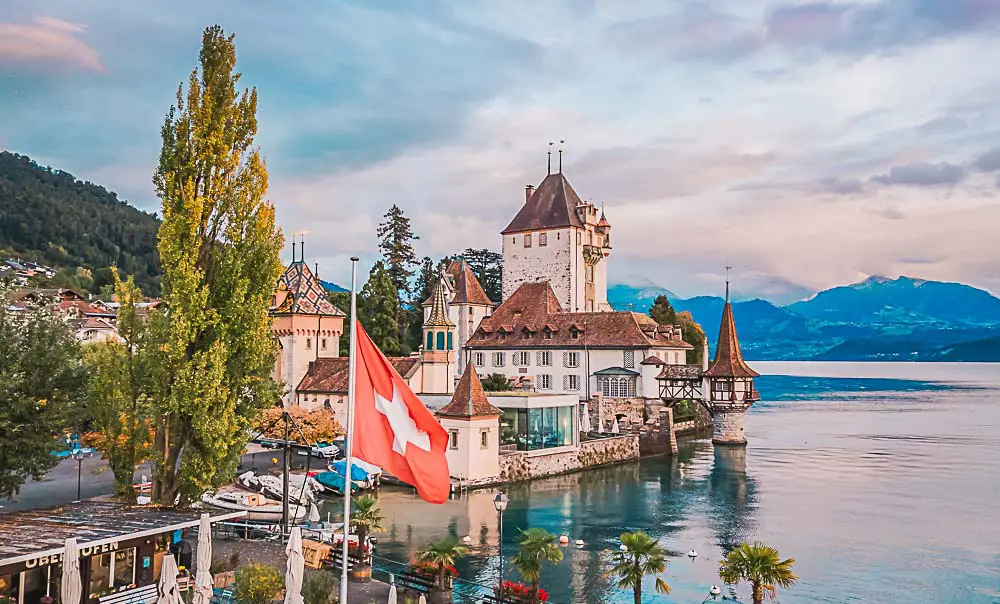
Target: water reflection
{"x": 732, "y": 498}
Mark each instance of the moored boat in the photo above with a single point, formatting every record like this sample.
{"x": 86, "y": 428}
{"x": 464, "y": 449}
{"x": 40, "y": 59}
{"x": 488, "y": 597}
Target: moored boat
{"x": 257, "y": 507}
{"x": 332, "y": 481}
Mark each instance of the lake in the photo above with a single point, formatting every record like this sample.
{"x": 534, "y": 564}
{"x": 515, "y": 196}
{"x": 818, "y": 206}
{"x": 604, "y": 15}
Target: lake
{"x": 881, "y": 480}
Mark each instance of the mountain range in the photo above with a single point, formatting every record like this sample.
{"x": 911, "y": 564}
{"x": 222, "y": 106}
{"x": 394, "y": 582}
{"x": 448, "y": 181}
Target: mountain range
{"x": 902, "y": 319}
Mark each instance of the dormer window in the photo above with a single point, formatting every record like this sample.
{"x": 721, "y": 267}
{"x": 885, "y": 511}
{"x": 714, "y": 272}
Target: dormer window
{"x": 517, "y": 315}
{"x": 548, "y": 333}
{"x": 525, "y": 334}
{"x": 574, "y": 333}
{"x": 502, "y": 335}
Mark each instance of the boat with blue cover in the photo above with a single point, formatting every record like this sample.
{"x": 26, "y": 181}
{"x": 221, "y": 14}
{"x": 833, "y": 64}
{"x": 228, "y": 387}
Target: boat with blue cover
{"x": 333, "y": 481}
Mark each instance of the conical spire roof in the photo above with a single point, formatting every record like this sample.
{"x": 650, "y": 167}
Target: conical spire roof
{"x": 728, "y": 357}
{"x": 469, "y": 399}
{"x": 439, "y": 305}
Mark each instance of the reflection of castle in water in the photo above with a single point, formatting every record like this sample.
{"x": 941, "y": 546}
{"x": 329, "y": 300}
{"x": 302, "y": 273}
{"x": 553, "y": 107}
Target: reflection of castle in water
{"x": 732, "y": 498}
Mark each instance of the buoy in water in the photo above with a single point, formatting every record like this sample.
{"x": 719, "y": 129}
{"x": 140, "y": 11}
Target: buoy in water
{"x": 579, "y": 542}
{"x": 563, "y": 539}
{"x": 692, "y": 554}
{"x": 714, "y": 591}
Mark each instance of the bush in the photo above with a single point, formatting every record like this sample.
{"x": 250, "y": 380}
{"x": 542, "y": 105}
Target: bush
{"x": 319, "y": 588}
{"x": 258, "y": 583}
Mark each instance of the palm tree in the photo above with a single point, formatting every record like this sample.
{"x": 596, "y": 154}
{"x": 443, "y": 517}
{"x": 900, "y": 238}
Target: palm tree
{"x": 366, "y": 517}
{"x": 442, "y": 553}
{"x": 536, "y": 547}
{"x": 761, "y": 565}
{"x": 641, "y": 555}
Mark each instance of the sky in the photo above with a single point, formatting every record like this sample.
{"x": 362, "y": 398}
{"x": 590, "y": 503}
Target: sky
{"x": 807, "y": 144}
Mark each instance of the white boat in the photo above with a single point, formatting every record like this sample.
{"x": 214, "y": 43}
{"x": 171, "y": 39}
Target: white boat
{"x": 257, "y": 507}
{"x": 302, "y": 490}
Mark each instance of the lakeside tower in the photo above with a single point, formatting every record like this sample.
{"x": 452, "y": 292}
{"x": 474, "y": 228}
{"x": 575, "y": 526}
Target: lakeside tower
{"x": 729, "y": 389}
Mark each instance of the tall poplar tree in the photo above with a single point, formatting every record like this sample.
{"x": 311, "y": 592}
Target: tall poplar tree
{"x": 218, "y": 245}
{"x": 377, "y": 308}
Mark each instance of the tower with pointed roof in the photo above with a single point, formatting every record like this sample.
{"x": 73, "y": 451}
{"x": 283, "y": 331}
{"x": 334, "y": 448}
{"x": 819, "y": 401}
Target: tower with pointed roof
{"x": 437, "y": 355}
{"x": 473, "y": 426}
{"x": 305, "y": 323}
{"x": 468, "y": 305}
{"x": 558, "y": 238}
{"x": 729, "y": 390}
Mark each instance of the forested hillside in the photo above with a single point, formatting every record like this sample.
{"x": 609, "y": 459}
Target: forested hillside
{"x": 49, "y": 216}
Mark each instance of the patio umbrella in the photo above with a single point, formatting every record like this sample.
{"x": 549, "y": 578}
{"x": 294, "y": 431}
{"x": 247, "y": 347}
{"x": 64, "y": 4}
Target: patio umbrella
{"x": 294, "y": 568}
{"x": 585, "y": 418}
{"x": 203, "y": 579}
{"x": 166, "y": 590}
{"x": 71, "y": 590}
{"x": 422, "y": 599}
{"x": 313, "y": 513}
{"x": 392, "y": 594}
{"x": 614, "y": 427}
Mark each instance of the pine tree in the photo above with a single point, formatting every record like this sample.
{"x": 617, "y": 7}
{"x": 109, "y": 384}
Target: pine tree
{"x": 42, "y": 377}
{"x": 396, "y": 244}
{"x": 377, "y": 307}
{"x": 663, "y": 312}
{"x": 487, "y": 266}
{"x": 218, "y": 246}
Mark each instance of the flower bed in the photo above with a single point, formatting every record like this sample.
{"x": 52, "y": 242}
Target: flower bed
{"x": 519, "y": 592}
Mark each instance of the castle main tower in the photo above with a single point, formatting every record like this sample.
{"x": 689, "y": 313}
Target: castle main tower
{"x": 559, "y": 238}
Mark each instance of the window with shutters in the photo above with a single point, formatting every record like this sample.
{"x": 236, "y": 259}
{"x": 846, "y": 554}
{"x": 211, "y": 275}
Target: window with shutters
{"x": 542, "y": 240}
{"x": 527, "y": 240}
{"x": 544, "y": 358}
{"x": 498, "y": 359}
{"x": 571, "y": 359}
{"x": 479, "y": 359}
{"x": 544, "y": 382}
{"x": 629, "y": 360}
{"x": 521, "y": 358}
{"x": 571, "y": 383}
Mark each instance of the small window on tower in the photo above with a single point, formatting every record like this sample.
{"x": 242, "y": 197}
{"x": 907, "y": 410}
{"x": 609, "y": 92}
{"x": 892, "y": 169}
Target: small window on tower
{"x": 527, "y": 240}
{"x": 543, "y": 239}
{"x": 484, "y": 438}
{"x": 322, "y": 344}
{"x": 454, "y": 438}
{"x": 309, "y": 343}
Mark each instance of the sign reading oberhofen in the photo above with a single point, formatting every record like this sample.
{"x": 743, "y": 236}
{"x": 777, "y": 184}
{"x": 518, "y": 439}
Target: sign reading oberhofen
{"x": 84, "y": 552}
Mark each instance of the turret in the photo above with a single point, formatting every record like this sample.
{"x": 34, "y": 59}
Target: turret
{"x": 730, "y": 383}
{"x": 438, "y": 354}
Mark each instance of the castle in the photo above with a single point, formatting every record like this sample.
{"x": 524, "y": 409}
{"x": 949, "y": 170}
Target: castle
{"x": 553, "y": 333}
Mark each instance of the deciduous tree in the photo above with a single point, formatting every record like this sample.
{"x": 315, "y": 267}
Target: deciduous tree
{"x": 218, "y": 246}
{"x": 117, "y": 400}
{"x": 42, "y": 377}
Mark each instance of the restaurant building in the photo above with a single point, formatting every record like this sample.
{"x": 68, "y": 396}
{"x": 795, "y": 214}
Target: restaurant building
{"x": 121, "y": 550}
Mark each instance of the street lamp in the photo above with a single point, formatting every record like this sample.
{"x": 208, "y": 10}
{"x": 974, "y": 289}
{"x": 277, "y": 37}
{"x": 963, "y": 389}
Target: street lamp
{"x": 79, "y": 455}
{"x": 500, "y": 503}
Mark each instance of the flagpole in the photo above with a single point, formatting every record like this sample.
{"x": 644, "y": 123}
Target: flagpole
{"x": 349, "y": 436}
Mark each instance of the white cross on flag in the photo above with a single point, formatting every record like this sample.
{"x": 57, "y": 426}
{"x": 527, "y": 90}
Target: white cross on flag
{"x": 393, "y": 428}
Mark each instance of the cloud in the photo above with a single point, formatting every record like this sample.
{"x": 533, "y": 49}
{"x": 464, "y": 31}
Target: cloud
{"x": 943, "y": 125}
{"x": 842, "y": 186}
{"x": 696, "y": 32}
{"x": 989, "y": 161}
{"x": 47, "y": 41}
{"x": 922, "y": 174}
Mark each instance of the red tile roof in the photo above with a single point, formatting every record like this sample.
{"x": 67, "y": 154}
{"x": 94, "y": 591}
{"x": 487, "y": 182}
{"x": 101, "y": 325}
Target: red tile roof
{"x": 468, "y": 290}
{"x": 84, "y": 308}
{"x": 330, "y": 374}
{"x": 728, "y": 357}
{"x": 469, "y": 399}
{"x": 534, "y": 304}
{"x": 552, "y": 205}
{"x": 305, "y": 293}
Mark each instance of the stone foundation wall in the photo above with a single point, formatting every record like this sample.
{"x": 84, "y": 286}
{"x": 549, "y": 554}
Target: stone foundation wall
{"x": 729, "y": 428}
{"x": 526, "y": 465}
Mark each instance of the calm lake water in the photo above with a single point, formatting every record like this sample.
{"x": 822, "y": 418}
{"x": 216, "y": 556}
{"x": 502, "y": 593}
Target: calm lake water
{"x": 881, "y": 480}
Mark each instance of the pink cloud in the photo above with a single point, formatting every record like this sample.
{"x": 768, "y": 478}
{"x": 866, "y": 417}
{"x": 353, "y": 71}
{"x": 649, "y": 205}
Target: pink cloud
{"x": 47, "y": 40}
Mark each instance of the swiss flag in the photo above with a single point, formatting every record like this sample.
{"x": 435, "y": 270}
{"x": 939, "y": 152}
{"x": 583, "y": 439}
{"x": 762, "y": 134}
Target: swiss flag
{"x": 393, "y": 429}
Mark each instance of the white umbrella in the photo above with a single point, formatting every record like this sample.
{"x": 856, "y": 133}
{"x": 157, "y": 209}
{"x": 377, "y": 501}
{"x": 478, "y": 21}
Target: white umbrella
{"x": 71, "y": 590}
{"x": 294, "y": 568}
{"x": 167, "y": 592}
{"x": 614, "y": 427}
{"x": 203, "y": 579}
{"x": 585, "y": 418}
{"x": 392, "y": 594}
{"x": 422, "y": 599}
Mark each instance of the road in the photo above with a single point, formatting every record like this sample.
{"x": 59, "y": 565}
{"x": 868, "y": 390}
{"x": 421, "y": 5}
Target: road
{"x": 59, "y": 485}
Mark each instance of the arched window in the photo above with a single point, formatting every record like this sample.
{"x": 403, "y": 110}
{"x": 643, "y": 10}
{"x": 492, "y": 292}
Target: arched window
{"x": 449, "y": 340}
{"x": 430, "y": 340}
{"x": 440, "y": 340}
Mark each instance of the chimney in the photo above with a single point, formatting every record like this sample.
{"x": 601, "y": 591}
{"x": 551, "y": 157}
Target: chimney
{"x": 528, "y": 190}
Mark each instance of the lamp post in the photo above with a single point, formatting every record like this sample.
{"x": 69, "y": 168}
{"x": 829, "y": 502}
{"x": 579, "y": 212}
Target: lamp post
{"x": 79, "y": 455}
{"x": 500, "y": 503}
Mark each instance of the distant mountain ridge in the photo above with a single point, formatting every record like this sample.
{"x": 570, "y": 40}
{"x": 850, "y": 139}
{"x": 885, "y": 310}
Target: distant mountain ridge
{"x": 876, "y": 319}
